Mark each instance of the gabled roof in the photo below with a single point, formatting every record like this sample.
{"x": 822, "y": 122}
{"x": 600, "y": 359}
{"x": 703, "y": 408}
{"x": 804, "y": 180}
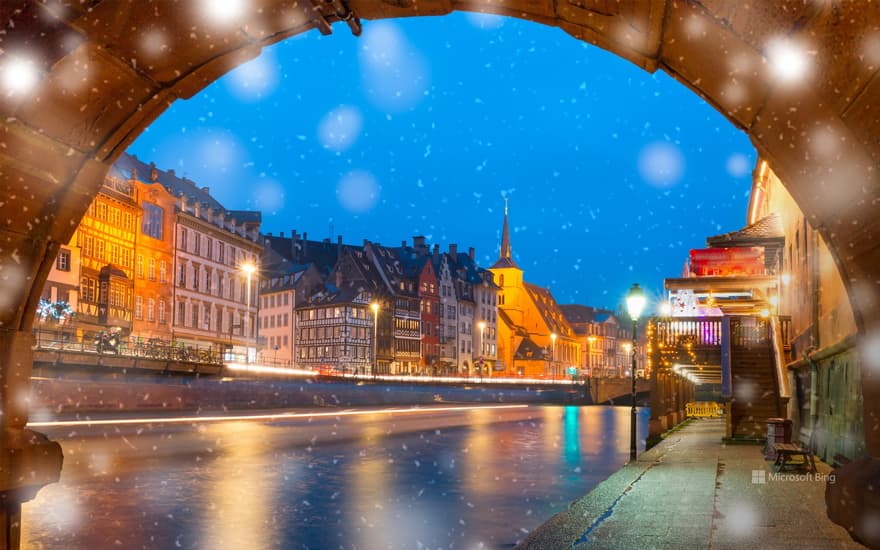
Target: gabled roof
{"x": 331, "y": 294}
{"x": 580, "y": 314}
{"x": 324, "y": 254}
{"x": 529, "y": 350}
{"x": 766, "y": 230}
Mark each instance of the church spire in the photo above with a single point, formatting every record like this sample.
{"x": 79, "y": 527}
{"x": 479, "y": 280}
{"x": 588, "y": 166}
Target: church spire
{"x": 505, "y": 236}
{"x": 505, "y": 259}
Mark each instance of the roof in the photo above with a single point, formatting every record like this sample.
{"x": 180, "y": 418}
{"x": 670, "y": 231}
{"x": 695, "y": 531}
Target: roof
{"x": 549, "y": 310}
{"x": 578, "y": 314}
{"x": 528, "y": 349}
{"x": 324, "y": 254}
{"x": 767, "y": 229}
{"x": 331, "y": 294}
{"x": 130, "y": 167}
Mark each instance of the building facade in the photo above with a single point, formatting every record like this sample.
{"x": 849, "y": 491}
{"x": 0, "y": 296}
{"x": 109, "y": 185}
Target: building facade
{"x": 534, "y": 338}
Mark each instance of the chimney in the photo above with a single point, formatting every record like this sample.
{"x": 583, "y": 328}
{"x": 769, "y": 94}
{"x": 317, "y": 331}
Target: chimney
{"x": 418, "y": 242}
{"x": 471, "y": 253}
{"x": 338, "y": 246}
{"x": 280, "y": 234}
{"x": 171, "y": 172}
{"x": 453, "y": 251}
{"x": 154, "y": 173}
{"x": 339, "y": 240}
{"x": 436, "y": 253}
{"x": 403, "y": 244}
{"x": 206, "y": 189}
{"x": 293, "y": 239}
{"x": 269, "y": 234}
{"x": 305, "y": 244}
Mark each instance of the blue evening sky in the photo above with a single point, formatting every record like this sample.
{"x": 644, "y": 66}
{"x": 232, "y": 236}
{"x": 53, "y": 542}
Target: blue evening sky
{"x": 421, "y": 126}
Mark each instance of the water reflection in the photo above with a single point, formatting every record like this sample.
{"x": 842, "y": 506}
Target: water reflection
{"x": 286, "y": 485}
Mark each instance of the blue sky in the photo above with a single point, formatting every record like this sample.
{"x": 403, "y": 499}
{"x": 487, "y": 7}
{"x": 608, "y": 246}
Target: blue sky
{"x": 422, "y": 126}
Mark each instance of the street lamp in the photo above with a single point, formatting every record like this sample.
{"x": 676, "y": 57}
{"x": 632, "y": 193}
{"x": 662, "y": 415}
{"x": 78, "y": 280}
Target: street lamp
{"x": 635, "y": 303}
{"x": 249, "y": 269}
{"x": 482, "y": 325}
{"x": 375, "y": 307}
{"x": 553, "y": 355}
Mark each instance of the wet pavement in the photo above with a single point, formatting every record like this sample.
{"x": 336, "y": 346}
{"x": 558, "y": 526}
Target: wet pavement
{"x": 691, "y": 491}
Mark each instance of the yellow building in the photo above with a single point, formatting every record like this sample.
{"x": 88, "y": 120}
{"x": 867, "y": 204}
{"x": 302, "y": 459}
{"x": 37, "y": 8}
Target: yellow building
{"x": 823, "y": 370}
{"x": 534, "y": 338}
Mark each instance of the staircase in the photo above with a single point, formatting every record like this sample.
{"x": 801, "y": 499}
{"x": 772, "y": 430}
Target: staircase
{"x": 754, "y": 390}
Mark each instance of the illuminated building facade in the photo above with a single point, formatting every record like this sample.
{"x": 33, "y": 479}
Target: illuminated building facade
{"x": 534, "y": 337}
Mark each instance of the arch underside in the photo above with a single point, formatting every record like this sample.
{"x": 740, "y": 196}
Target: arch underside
{"x": 101, "y": 86}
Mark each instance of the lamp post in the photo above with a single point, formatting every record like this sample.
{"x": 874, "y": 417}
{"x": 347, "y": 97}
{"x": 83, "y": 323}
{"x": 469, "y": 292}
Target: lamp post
{"x": 482, "y": 325}
{"x": 375, "y": 307}
{"x": 249, "y": 268}
{"x": 553, "y": 355}
{"x": 635, "y": 303}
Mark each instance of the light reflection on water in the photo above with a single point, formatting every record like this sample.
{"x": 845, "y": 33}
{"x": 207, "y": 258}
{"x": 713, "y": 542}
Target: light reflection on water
{"x": 484, "y": 485}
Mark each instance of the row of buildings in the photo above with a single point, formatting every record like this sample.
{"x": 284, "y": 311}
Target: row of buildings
{"x": 159, "y": 259}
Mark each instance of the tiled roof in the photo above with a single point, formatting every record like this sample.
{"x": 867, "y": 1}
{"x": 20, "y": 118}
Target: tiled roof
{"x": 767, "y": 228}
{"x": 549, "y": 310}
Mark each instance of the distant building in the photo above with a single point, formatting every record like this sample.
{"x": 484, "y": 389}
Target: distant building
{"x": 106, "y": 241}
{"x": 417, "y": 262}
{"x": 534, "y": 337}
{"x": 209, "y": 295}
{"x": 606, "y": 343}
{"x": 154, "y": 253}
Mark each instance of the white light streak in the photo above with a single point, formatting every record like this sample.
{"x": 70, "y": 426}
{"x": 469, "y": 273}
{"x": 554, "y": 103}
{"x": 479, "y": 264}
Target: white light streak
{"x": 271, "y": 417}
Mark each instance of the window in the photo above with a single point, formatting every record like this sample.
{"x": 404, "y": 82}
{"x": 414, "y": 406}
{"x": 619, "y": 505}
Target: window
{"x": 209, "y": 248}
{"x": 198, "y": 243}
{"x": 181, "y": 239}
{"x": 194, "y": 319}
{"x": 151, "y": 225}
{"x": 207, "y": 317}
{"x": 162, "y": 312}
{"x": 151, "y": 269}
{"x": 89, "y": 290}
{"x": 139, "y": 270}
{"x": 88, "y": 245}
{"x": 99, "y": 249}
{"x": 138, "y": 307}
{"x": 181, "y": 313}
{"x": 151, "y": 306}
{"x": 63, "y": 261}
{"x": 163, "y": 272}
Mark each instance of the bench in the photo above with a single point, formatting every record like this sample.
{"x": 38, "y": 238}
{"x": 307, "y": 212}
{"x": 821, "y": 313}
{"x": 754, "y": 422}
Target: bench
{"x": 788, "y": 451}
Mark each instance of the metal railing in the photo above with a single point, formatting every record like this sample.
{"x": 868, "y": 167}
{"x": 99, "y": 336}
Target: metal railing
{"x": 704, "y": 409}
{"x": 65, "y": 340}
{"x": 688, "y": 331}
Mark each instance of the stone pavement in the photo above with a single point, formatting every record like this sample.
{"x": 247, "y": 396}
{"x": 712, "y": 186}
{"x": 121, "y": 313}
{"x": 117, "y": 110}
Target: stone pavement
{"x": 693, "y": 491}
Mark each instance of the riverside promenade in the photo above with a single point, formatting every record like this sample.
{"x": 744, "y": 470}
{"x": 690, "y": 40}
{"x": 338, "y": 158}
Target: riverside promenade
{"x": 692, "y": 491}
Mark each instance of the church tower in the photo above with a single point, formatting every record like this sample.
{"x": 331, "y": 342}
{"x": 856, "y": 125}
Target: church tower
{"x": 509, "y": 277}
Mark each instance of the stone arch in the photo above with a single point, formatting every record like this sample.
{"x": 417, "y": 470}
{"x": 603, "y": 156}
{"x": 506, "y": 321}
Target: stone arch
{"x": 107, "y": 69}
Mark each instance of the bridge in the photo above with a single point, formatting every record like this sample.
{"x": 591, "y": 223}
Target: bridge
{"x": 823, "y": 139}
